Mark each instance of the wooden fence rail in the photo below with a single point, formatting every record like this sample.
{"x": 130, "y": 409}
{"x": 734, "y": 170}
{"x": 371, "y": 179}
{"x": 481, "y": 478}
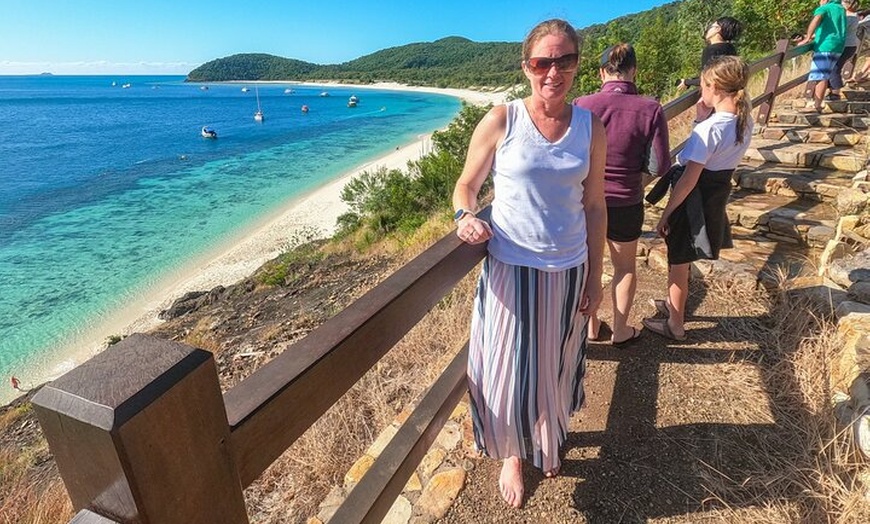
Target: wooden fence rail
{"x": 142, "y": 434}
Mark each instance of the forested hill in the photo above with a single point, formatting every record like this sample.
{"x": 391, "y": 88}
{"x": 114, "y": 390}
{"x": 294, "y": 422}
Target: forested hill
{"x": 668, "y": 40}
{"x": 449, "y": 62}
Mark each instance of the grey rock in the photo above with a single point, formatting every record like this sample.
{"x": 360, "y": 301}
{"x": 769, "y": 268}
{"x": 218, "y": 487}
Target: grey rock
{"x": 851, "y": 269}
{"x": 859, "y": 292}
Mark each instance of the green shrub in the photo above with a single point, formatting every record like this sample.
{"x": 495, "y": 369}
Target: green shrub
{"x": 386, "y": 201}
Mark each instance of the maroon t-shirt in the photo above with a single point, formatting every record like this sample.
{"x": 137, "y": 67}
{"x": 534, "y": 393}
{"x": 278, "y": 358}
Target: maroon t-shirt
{"x": 637, "y": 139}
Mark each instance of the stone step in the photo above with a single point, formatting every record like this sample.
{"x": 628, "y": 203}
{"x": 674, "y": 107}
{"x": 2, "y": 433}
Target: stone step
{"x": 841, "y": 120}
{"x": 813, "y": 184}
{"x": 849, "y": 106}
{"x": 856, "y": 95}
{"x": 842, "y": 158}
{"x": 774, "y": 218}
{"x": 844, "y": 105}
{"x": 782, "y": 218}
{"x": 754, "y": 259}
{"x": 813, "y": 135}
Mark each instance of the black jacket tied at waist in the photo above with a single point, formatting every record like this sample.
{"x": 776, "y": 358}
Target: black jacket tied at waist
{"x": 699, "y": 225}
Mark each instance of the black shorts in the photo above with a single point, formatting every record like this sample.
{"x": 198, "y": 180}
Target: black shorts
{"x": 624, "y": 224}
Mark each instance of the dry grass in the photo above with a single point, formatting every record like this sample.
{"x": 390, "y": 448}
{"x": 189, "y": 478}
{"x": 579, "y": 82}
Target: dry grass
{"x": 806, "y": 469}
{"x": 293, "y": 487}
{"x": 31, "y": 491}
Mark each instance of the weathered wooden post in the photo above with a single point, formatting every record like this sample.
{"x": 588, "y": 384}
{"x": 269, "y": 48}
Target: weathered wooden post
{"x": 774, "y": 74}
{"x": 140, "y": 435}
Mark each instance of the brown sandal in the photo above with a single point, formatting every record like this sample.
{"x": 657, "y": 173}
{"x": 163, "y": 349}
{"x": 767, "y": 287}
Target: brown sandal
{"x": 661, "y": 306}
{"x": 660, "y": 326}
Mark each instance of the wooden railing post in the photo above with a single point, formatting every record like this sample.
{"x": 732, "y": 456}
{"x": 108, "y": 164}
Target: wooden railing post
{"x": 774, "y": 74}
{"x": 140, "y": 435}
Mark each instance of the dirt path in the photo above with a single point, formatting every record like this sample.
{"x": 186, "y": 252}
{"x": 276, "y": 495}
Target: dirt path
{"x": 667, "y": 431}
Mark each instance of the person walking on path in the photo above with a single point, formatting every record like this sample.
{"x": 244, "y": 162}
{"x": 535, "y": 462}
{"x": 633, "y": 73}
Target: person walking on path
{"x": 694, "y": 223}
{"x": 849, "y": 50}
{"x": 827, "y": 32}
{"x": 637, "y": 143}
{"x": 541, "y": 278}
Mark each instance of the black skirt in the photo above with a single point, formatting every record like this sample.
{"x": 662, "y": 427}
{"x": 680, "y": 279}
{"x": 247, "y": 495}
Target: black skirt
{"x": 701, "y": 215}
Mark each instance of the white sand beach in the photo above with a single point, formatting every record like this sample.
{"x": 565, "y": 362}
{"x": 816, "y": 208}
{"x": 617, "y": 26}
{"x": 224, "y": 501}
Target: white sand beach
{"x": 242, "y": 255}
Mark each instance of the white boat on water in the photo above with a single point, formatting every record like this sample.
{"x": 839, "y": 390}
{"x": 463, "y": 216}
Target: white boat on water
{"x": 324, "y": 93}
{"x": 258, "y": 116}
{"x": 304, "y": 108}
{"x": 208, "y": 132}
{"x": 245, "y": 90}
{"x": 352, "y": 101}
{"x": 203, "y": 88}
{"x": 288, "y": 91}
{"x": 127, "y": 86}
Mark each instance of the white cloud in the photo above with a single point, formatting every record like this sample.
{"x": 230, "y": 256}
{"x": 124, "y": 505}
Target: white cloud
{"x": 95, "y": 67}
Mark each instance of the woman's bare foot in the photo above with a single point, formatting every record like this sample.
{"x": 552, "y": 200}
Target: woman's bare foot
{"x": 510, "y": 482}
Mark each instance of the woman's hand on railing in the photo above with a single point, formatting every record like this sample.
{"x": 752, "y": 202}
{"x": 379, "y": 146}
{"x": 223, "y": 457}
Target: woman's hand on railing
{"x": 473, "y": 230}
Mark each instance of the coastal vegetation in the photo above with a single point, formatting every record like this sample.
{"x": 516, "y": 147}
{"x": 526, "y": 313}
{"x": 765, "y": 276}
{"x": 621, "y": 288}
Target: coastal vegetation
{"x": 668, "y": 40}
{"x": 385, "y": 201}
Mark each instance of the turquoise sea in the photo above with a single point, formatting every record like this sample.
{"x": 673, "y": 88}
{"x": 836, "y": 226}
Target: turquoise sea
{"x": 104, "y": 190}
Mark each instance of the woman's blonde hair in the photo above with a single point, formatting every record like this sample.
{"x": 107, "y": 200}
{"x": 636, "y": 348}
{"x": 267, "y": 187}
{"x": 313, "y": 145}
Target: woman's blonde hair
{"x": 729, "y": 74}
{"x": 549, "y": 27}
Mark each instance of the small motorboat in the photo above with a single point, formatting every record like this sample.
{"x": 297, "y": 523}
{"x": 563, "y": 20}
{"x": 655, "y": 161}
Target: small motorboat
{"x": 245, "y": 90}
{"x": 352, "y": 101}
{"x": 208, "y": 132}
{"x": 258, "y": 116}
{"x": 127, "y": 86}
{"x": 203, "y": 88}
{"x": 324, "y": 93}
{"x": 305, "y": 109}
{"x": 288, "y": 91}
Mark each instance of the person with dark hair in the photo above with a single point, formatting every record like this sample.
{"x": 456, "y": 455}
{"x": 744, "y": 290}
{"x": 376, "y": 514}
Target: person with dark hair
{"x": 637, "y": 143}
{"x": 827, "y": 32}
{"x": 541, "y": 278}
{"x": 720, "y": 37}
{"x": 694, "y": 223}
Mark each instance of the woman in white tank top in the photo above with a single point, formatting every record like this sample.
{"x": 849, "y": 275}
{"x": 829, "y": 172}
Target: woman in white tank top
{"x": 542, "y": 277}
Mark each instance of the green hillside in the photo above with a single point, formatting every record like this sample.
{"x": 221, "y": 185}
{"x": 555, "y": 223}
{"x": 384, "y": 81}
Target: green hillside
{"x": 453, "y": 61}
{"x": 668, "y": 40}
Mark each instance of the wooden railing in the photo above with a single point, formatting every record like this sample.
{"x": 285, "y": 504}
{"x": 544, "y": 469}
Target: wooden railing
{"x": 142, "y": 434}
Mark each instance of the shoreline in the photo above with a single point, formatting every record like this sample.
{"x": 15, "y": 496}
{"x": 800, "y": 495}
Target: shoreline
{"x": 236, "y": 257}
{"x": 474, "y": 97}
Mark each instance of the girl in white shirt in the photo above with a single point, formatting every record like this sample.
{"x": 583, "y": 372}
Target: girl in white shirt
{"x": 694, "y": 223}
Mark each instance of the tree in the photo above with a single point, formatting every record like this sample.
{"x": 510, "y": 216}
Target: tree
{"x": 766, "y": 21}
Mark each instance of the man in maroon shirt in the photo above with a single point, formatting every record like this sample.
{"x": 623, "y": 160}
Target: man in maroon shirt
{"x": 637, "y": 143}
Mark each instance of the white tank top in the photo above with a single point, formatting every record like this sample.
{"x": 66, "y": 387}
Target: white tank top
{"x": 537, "y": 212}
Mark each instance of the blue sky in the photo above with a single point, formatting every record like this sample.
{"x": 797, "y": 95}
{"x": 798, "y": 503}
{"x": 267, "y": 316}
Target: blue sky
{"x": 174, "y": 36}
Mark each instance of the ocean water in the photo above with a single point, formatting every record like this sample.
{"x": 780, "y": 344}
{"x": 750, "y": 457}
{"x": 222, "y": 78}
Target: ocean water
{"x": 104, "y": 190}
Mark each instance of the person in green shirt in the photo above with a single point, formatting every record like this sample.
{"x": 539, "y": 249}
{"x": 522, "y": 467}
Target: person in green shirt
{"x": 827, "y": 32}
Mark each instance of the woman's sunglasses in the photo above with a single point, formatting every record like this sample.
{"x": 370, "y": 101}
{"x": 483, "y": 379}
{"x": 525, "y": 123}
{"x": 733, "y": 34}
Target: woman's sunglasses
{"x": 540, "y": 65}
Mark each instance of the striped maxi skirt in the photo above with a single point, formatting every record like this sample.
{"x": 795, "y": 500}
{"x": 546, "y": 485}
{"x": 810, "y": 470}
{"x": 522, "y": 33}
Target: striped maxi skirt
{"x": 526, "y": 360}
